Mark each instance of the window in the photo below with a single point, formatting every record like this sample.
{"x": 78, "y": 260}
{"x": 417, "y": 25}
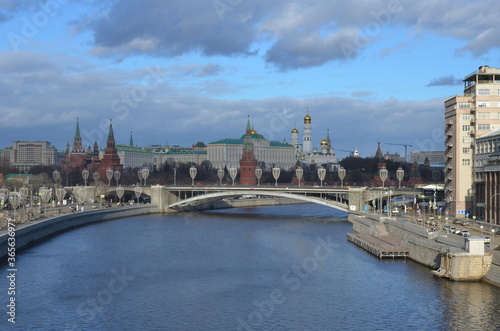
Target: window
{"x": 483, "y": 116}
{"x": 483, "y": 92}
{"x": 465, "y": 128}
{"x": 483, "y": 126}
{"x": 466, "y": 139}
{"x": 465, "y": 162}
{"x": 463, "y": 105}
{"x": 466, "y": 150}
{"x": 483, "y": 104}
{"x": 466, "y": 117}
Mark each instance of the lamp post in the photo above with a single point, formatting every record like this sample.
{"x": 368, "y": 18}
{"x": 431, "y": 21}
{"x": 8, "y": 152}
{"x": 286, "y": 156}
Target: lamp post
{"x": 139, "y": 174}
{"x": 175, "y": 176}
{"x": 299, "y": 172}
{"x": 95, "y": 177}
{"x": 258, "y": 174}
{"x": 192, "y": 173}
{"x": 481, "y": 227}
{"x": 341, "y": 176}
{"x": 119, "y": 192}
{"x": 321, "y": 174}
{"x": 492, "y": 238}
{"x": 145, "y": 174}
{"x": 138, "y": 192}
{"x": 220, "y": 174}
{"x": 383, "y": 175}
{"x": 56, "y": 175}
{"x": 233, "y": 172}
{"x": 400, "y": 174}
{"x": 85, "y": 175}
{"x": 276, "y": 175}
{"x": 117, "y": 175}
{"x": 109, "y": 175}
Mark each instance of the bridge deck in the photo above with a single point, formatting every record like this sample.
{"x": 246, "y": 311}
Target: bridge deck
{"x": 380, "y": 246}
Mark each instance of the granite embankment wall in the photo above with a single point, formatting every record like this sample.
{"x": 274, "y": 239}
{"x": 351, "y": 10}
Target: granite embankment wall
{"x": 27, "y": 234}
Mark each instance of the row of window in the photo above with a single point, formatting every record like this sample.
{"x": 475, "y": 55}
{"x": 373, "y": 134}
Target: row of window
{"x": 483, "y": 91}
{"x": 480, "y": 127}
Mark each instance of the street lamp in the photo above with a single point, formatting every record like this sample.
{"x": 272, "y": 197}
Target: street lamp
{"x": 321, "y": 174}
{"x": 492, "y": 238}
{"x": 341, "y": 176}
{"x": 139, "y": 173}
{"x": 117, "y": 175}
{"x": 85, "y": 175}
{"x": 95, "y": 177}
{"x": 383, "y": 174}
{"x": 233, "y": 172}
{"x": 400, "y": 174}
{"x": 491, "y": 209}
{"x": 109, "y": 175}
{"x": 258, "y": 174}
{"x": 276, "y": 175}
{"x": 175, "y": 176}
{"x": 220, "y": 174}
{"x": 145, "y": 174}
{"x": 119, "y": 192}
{"x": 56, "y": 175}
{"x": 299, "y": 172}
{"x": 138, "y": 192}
{"x": 192, "y": 173}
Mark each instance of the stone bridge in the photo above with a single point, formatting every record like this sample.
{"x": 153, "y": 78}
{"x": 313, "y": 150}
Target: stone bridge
{"x": 181, "y": 198}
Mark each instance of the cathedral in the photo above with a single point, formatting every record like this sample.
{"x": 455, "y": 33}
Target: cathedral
{"x": 307, "y": 154}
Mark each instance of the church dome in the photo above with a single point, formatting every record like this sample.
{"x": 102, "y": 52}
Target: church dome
{"x": 324, "y": 142}
{"x": 295, "y": 131}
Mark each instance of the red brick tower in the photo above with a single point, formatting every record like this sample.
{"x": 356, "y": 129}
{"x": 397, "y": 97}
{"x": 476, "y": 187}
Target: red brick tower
{"x": 248, "y": 162}
{"x": 75, "y": 157}
{"x": 110, "y": 158}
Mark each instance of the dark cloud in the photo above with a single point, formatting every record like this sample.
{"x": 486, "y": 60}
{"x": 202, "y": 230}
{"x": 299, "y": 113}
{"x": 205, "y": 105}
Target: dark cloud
{"x": 297, "y": 34}
{"x": 445, "y": 81}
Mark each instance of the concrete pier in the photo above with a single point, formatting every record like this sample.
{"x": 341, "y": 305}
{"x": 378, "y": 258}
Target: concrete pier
{"x": 453, "y": 257}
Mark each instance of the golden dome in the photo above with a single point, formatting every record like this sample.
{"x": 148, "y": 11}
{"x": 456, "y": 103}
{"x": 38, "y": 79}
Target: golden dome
{"x": 324, "y": 142}
{"x": 253, "y": 131}
{"x": 295, "y": 131}
{"x": 307, "y": 117}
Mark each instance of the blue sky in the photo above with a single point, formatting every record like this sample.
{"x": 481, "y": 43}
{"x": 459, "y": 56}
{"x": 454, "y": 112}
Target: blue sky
{"x": 181, "y": 71}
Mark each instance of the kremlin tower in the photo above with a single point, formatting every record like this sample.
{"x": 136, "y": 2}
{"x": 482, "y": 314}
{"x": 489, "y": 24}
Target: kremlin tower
{"x": 307, "y": 137}
{"x": 110, "y": 158}
{"x": 248, "y": 162}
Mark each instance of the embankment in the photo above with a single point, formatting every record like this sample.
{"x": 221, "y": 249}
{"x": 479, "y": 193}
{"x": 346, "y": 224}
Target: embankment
{"x": 27, "y": 234}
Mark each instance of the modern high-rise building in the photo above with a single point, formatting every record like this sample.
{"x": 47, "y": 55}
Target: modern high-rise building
{"x": 468, "y": 117}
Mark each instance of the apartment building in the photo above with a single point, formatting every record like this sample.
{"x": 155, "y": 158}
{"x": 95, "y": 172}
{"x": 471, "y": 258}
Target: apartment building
{"x": 467, "y": 118}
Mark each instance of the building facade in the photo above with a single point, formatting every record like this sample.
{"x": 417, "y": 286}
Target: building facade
{"x": 436, "y": 159}
{"x": 467, "y": 118}
{"x": 226, "y": 153}
{"x": 24, "y": 155}
{"x": 487, "y": 171}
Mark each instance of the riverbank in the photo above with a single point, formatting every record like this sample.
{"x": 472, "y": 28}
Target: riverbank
{"x": 448, "y": 255}
{"x": 27, "y": 234}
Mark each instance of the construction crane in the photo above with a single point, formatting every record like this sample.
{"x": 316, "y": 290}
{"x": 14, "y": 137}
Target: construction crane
{"x": 406, "y": 148}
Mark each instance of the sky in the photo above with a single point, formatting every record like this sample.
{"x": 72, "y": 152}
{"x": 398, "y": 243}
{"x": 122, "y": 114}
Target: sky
{"x": 181, "y": 71}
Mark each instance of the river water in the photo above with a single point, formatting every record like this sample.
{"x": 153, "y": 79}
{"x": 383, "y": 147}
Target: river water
{"x": 265, "y": 268}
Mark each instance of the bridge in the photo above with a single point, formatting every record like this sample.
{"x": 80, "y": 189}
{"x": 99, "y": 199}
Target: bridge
{"x": 182, "y": 198}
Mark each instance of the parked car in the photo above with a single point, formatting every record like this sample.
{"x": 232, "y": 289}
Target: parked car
{"x": 465, "y": 222}
{"x": 456, "y": 221}
{"x": 458, "y": 231}
{"x": 465, "y": 233}
{"x": 447, "y": 228}
{"x": 487, "y": 240}
{"x": 453, "y": 229}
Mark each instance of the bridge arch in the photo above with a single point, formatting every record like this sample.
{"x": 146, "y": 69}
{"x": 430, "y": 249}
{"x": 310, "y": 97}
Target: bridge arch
{"x": 190, "y": 203}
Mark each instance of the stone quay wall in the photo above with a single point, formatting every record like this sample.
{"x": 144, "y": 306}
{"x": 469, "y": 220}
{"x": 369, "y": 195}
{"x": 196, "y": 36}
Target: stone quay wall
{"x": 27, "y": 234}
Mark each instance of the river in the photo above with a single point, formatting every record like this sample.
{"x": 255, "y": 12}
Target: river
{"x": 265, "y": 268}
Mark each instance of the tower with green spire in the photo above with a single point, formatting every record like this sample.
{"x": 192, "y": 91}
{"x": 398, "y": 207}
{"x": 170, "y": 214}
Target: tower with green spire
{"x": 248, "y": 162}
{"x": 131, "y": 142}
{"x": 77, "y": 141}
